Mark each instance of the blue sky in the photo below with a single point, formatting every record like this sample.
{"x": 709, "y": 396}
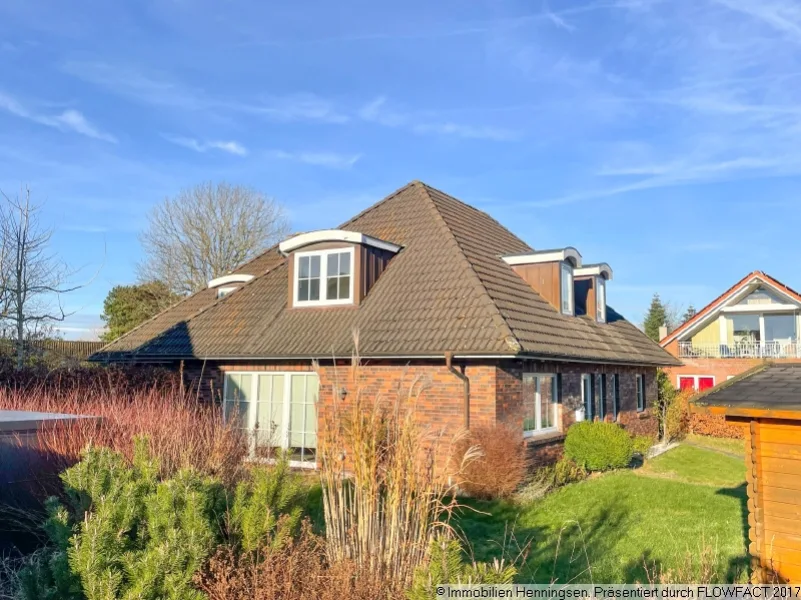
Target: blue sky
{"x": 663, "y": 137}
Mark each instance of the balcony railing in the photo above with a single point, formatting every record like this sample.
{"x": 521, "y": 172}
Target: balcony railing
{"x": 768, "y": 349}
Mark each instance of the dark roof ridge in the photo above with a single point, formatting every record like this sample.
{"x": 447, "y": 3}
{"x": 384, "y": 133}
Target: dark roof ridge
{"x": 497, "y": 314}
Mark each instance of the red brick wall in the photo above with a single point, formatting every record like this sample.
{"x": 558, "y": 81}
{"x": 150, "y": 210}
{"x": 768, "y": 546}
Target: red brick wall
{"x": 495, "y": 392}
{"x": 543, "y": 450}
{"x": 719, "y": 368}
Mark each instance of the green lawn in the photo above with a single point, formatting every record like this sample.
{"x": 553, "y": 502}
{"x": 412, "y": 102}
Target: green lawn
{"x": 697, "y": 465}
{"x": 607, "y": 528}
{"x": 723, "y": 444}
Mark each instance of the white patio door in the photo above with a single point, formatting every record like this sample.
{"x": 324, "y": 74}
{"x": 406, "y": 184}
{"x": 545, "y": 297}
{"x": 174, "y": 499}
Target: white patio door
{"x": 278, "y": 410}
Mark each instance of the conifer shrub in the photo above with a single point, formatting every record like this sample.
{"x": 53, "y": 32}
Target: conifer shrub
{"x": 447, "y": 565}
{"x": 598, "y": 446}
{"x": 125, "y": 531}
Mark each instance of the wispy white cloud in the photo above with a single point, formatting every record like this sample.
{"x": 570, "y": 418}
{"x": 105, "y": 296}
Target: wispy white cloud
{"x": 162, "y": 91}
{"x": 783, "y": 16}
{"x": 68, "y": 120}
{"x": 331, "y": 160}
{"x": 559, "y": 21}
{"x": 231, "y": 147}
{"x": 377, "y": 111}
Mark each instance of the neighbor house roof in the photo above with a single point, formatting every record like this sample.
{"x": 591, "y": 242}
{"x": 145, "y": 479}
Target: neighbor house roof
{"x": 768, "y": 387}
{"x": 447, "y": 290}
{"x": 714, "y": 307}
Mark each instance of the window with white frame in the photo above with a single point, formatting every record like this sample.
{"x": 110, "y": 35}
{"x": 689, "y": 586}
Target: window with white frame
{"x": 600, "y": 299}
{"x": 277, "y": 410}
{"x": 324, "y": 277}
{"x": 640, "y": 393}
{"x": 540, "y": 398}
{"x": 567, "y": 288}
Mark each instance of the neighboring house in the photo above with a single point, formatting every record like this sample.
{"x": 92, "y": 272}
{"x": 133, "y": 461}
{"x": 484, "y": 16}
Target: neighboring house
{"x": 756, "y": 319}
{"x": 437, "y": 291}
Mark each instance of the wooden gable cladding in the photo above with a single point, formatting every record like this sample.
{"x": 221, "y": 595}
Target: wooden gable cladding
{"x": 544, "y": 278}
{"x": 368, "y": 265}
{"x": 585, "y": 295}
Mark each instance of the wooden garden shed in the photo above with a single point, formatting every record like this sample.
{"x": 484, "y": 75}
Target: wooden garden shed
{"x": 767, "y": 402}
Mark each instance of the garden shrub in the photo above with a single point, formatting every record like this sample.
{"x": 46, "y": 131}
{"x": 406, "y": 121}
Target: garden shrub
{"x": 500, "y": 466}
{"x": 124, "y": 531}
{"x": 677, "y": 416}
{"x": 598, "y": 446}
{"x": 714, "y": 426}
{"x": 548, "y": 478}
{"x": 642, "y": 444}
{"x": 447, "y": 565}
{"x": 300, "y": 570}
{"x": 255, "y": 521}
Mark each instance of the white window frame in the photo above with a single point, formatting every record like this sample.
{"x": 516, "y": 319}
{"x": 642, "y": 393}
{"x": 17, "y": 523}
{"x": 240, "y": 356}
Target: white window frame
{"x": 224, "y": 291}
{"x": 600, "y": 299}
{"x": 696, "y": 382}
{"x": 539, "y": 430}
{"x": 640, "y": 385}
{"x": 323, "y": 301}
{"x": 613, "y": 391}
{"x": 566, "y": 274}
{"x": 287, "y": 408}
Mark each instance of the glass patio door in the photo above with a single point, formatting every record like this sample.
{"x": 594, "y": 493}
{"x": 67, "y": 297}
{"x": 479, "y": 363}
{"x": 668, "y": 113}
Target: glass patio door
{"x": 277, "y": 410}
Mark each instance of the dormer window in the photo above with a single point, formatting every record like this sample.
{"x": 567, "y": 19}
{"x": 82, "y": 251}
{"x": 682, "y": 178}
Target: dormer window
{"x": 229, "y": 283}
{"x": 324, "y": 277}
{"x": 567, "y": 288}
{"x": 600, "y": 299}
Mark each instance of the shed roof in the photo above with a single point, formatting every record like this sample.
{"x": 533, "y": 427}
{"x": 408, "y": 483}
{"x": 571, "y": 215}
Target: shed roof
{"x": 769, "y": 388}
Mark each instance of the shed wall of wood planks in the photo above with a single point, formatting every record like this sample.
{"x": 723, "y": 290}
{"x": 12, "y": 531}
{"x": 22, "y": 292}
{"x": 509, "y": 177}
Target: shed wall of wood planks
{"x": 773, "y": 474}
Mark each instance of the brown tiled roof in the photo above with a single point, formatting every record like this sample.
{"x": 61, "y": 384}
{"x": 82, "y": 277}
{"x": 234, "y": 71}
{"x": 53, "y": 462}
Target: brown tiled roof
{"x": 447, "y": 290}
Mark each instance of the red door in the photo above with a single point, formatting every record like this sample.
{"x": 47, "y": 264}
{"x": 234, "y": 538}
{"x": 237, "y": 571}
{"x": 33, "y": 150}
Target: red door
{"x": 704, "y": 383}
{"x": 686, "y": 383}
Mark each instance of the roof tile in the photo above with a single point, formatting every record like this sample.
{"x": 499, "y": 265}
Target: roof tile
{"x": 447, "y": 290}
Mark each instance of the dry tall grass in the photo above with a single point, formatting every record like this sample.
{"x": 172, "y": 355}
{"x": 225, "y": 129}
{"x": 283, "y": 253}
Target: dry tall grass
{"x": 181, "y": 430}
{"x": 383, "y": 498}
{"x": 501, "y": 465}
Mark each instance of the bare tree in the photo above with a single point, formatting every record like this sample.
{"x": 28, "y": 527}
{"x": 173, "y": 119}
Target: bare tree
{"x": 33, "y": 279}
{"x": 206, "y": 231}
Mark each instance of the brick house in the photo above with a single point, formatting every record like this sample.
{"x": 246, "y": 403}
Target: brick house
{"x": 438, "y": 292}
{"x": 755, "y": 320}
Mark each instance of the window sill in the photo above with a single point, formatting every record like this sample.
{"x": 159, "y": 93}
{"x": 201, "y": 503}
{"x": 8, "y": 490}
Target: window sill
{"x": 542, "y": 437}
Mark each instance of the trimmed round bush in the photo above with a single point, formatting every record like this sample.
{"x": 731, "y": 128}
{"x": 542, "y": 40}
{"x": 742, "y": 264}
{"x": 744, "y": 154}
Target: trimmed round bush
{"x": 598, "y": 446}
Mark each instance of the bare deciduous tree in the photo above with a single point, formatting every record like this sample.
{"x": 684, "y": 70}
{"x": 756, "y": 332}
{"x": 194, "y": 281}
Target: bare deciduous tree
{"x": 33, "y": 279}
{"x": 206, "y": 231}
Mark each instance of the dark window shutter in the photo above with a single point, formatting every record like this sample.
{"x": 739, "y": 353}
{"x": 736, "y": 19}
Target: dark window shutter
{"x": 604, "y": 393}
{"x": 559, "y": 388}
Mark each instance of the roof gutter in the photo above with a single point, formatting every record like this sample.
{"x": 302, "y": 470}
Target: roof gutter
{"x": 465, "y": 383}
{"x": 521, "y": 356}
